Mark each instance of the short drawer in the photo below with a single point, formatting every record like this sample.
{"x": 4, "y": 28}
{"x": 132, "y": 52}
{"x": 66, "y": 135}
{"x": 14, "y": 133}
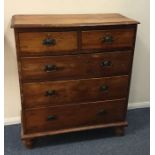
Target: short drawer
{"x": 72, "y": 116}
{"x": 74, "y": 91}
{"x": 108, "y": 39}
{"x": 42, "y": 43}
{"x": 74, "y": 67}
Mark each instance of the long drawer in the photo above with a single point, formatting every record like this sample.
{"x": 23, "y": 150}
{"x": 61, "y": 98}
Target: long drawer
{"x": 108, "y": 39}
{"x": 77, "y": 66}
{"x": 72, "y": 116}
{"x": 74, "y": 91}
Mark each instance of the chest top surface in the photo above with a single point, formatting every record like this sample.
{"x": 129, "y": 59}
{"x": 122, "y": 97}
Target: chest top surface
{"x": 69, "y": 20}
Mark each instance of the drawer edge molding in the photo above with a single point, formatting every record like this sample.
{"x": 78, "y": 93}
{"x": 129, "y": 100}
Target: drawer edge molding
{"x": 81, "y": 103}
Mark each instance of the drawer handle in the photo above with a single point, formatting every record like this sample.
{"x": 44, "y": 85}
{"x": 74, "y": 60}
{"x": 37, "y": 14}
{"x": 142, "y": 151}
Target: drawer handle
{"x": 50, "y": 93}
{"x": 49, "y": 42}
{"x": 51, "y": 117}
{"x": 108, "y": 39}
{"x": 106, "y": 63}
{"x": 102, "y": 112}
{"x": 104, "y": 88}
{"x": 50, "y": 68}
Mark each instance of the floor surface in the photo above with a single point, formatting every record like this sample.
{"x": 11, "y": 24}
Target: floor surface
{"x": 95, "y": 142}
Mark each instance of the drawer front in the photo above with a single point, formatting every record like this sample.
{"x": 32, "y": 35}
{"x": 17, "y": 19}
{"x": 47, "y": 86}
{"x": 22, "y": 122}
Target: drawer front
{"x": 74, "y": 91}
{"x": 47, "y": 42}
{"x": 72, "y": 116}
{"x": 108, "y": 39}
{"x": 74, "y": 67}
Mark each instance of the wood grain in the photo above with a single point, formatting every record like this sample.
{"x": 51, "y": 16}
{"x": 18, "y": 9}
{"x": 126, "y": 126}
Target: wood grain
{"x": 76, "y": 66}
{"x": 74, "y": 91}
{"x": 69, "y": 20}
{"x": 74, "y": 116}
{"x": 95, "y": 39}
{"x": 32, "y": 42}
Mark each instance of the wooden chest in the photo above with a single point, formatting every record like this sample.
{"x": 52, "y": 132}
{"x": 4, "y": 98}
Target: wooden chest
{"x": 74, "y": 72}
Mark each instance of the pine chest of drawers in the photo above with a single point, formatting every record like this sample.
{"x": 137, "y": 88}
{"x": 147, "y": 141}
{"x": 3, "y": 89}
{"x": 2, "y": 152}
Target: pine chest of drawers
{"x": 74, "y": 72}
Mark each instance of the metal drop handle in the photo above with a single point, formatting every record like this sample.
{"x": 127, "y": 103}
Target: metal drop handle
{"x": 51, "y": 117}
{"x": 106, "y": 63}
{"x": 50, "y": 68}
{"x": 108, "y": 39}
{"x": 104, "y": 88}
{"x": 50, "y": 92}
{"x": 49, "y": 42}
{"x": 101, "y": 112}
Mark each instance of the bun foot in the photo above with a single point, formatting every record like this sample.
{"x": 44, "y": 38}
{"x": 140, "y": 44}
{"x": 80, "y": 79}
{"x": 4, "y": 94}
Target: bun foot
{"x": 119, "y": 131}
{"x": 28, "y": 143}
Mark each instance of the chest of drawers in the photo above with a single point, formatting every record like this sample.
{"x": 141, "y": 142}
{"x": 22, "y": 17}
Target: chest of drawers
{"x": 74, "y": 72}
